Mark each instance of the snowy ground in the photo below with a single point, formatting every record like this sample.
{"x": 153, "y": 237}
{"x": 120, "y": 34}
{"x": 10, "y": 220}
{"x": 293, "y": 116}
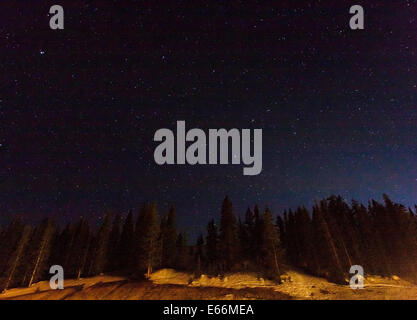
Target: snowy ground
{"x": 170, "y": 284}
{"x": 299, "y": 285}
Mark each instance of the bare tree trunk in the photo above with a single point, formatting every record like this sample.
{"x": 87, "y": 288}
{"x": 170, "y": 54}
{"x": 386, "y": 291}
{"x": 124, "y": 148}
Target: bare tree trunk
{"x": 148, "y": 273}
{"x": 347, "y": 253}
{"x": 276, "y": 262}
{"x": 332, "y": 245}
{"x": 38, "y": 259}
{"x": 19, "y": 252}
{"x": 83, "y": 262}
{"x": 150, "y": 260}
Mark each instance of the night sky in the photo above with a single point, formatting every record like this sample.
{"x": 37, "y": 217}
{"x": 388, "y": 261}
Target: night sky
{"x": 79, "y": 106}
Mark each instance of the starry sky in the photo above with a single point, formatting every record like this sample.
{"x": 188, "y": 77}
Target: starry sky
{"x": 79, "y": 106}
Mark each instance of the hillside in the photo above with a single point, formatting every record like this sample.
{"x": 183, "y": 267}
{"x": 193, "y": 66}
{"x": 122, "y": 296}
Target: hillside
{"x": 167, "y": 284}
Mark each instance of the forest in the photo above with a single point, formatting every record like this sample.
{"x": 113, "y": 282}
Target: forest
{"x": 326, "y": 241}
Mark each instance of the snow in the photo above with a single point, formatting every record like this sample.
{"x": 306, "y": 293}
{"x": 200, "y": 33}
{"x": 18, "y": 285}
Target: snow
{"x": 170, "y": 276}
{"x": 297, "y": 285}
{"x": 43, "y": 286}
{"x": 235, "y": 280}
{"x": 172, "y": 284}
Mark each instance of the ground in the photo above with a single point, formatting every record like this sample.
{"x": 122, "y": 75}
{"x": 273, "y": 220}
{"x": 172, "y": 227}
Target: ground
{"x": 167, "y": 284}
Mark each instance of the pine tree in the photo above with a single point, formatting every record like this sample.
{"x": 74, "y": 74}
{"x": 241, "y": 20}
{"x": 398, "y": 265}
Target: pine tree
{"x": 379, "y": 222}
{"x": 61, "y": 247}
{"x": 307, "y": 254}
{"x": 212, "y": 244}
{"x": 381, "y": 237}
{"x": 137, "y": 265}
{"x": 271, "y": 251}
{"x": 10, "y": 238}
{"x": 181, "y": 252}
{"x": 337, "y": 217}
{"x": 40, "y": 249}
{"x": 15, "y": 259}
{"x": 149, "y": 240}
{"x": 169, "y": 238}
{"x": 101, "y": 246}
{"x": 256, "y": 236}
{"x": 243, "y": 242}
{"x": 199, "y": 254}
{"x": 228, "y": 236}
{"x": 247, "y": 236}
{"x": 280, "y": 225}
{"x": 126, "y": 244}
{"x": 330, "y": 253}
{"x": 78, "y": 249}
{"x": 113, "y": 253}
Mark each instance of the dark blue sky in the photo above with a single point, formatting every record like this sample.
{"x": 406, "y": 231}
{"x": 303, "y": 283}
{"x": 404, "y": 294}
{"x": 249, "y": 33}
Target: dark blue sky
{"x": 79, "y": 106}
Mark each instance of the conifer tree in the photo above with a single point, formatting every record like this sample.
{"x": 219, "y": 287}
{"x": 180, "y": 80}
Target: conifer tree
{"x": 101, "y": 246}
{"x": 228, "y": 236}
{"x": 61, "y": 248}
{"x": 271, "y": 251}
{"x": 15, "y": 259}
{"x": 256, "y": 236}
{"x": 199, "y": 253}
{"x": 212, "y": 244}
{"x": 247, "y": 236}
{"x": 126, "y": 244}
{"x": 307, "y": 255}
{"x": 148, "y": 239}
{"x": 379, "y": 220}
{"x": 113, "y": 253}
{"x": 330, "y": 253}
{"x": 181, "y": 252}
{"x": 40, "y": 250}
{"x": 78, "y": 249}
{"x": 9, "y": 238}
{"x": 169, "y": 238}
{"x": 280, "y": 225}
{"x": 381, "y": 237}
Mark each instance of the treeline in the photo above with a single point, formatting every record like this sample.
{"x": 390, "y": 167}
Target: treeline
{"x": 381, "y": 237}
